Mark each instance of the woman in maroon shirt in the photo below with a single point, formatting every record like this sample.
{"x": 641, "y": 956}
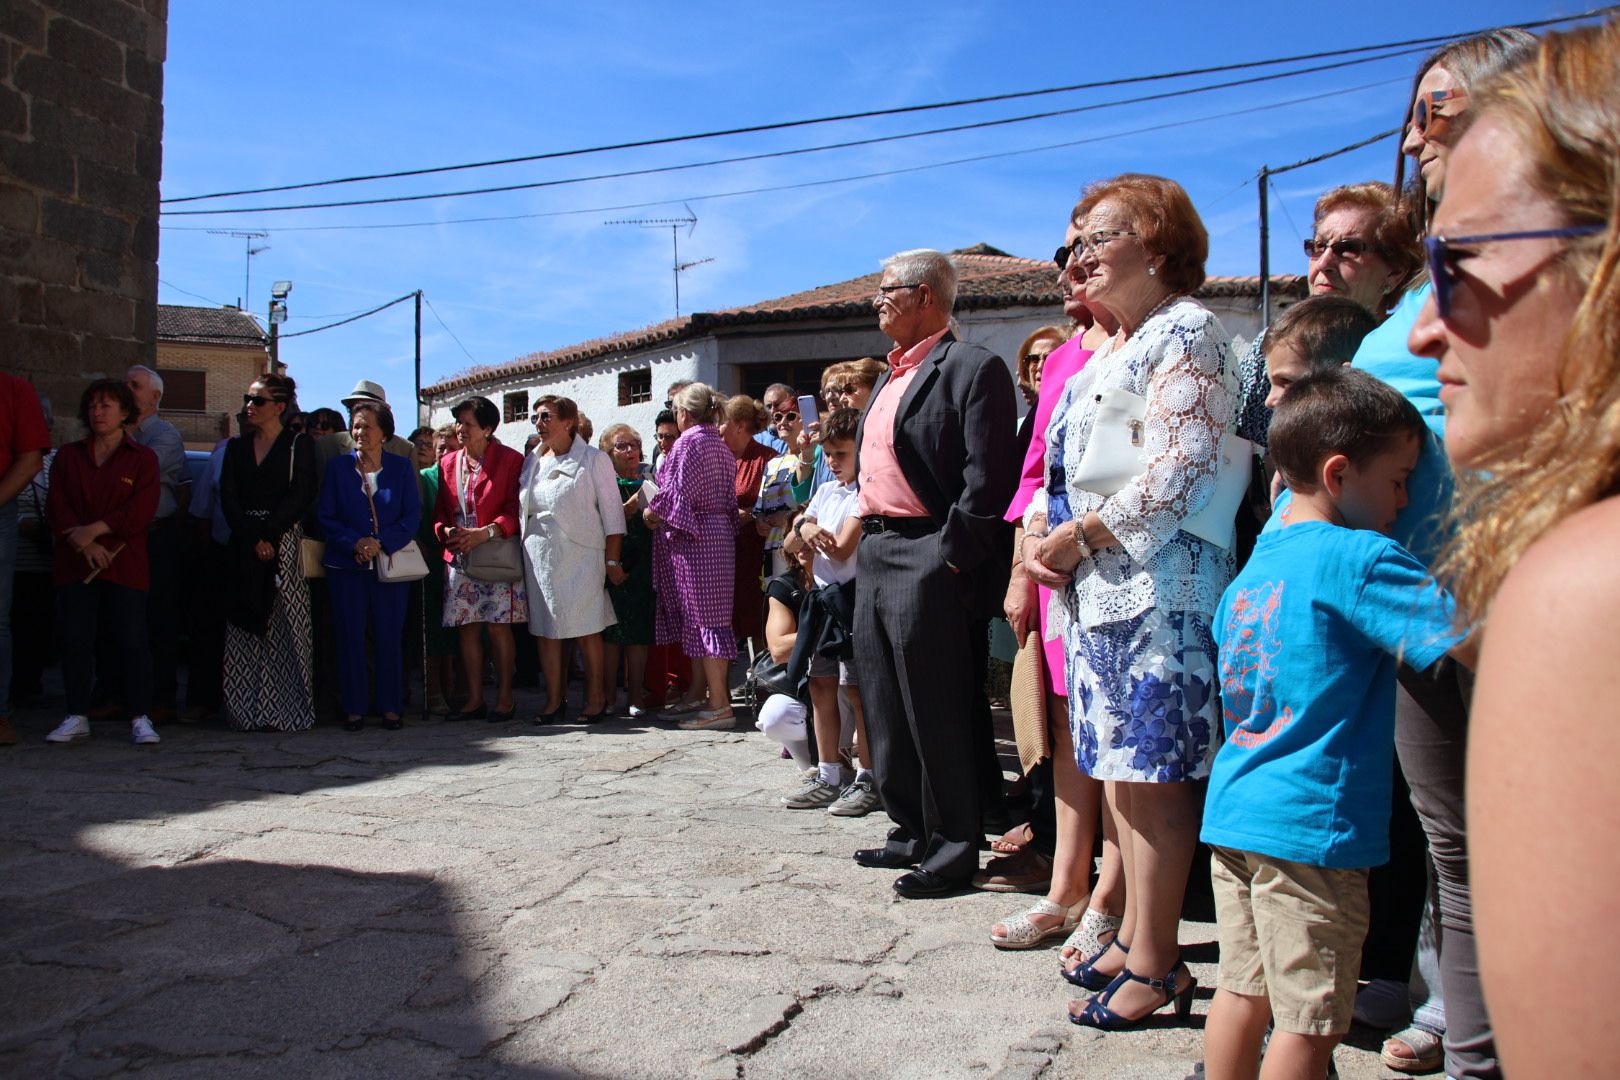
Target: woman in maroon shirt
{"x": 103, "y": 495}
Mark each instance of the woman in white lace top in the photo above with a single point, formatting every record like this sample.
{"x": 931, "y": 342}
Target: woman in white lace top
{"x": 1137, "y": 593}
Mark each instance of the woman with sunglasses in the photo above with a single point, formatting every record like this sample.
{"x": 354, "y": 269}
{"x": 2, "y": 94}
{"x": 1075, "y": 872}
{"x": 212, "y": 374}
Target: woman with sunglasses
{"x": 573, "y": 529}
{"x": 786, "y": 485}
{"x": 1431, "y": 723}
{"x": 1523, "y": 322}
{"x": 852, "y": 388}
{"x": 266, "y": 486}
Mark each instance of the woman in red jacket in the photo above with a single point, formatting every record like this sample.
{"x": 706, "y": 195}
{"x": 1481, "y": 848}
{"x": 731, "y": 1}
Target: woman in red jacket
{"x": 103, "y": 495}
{"x": 483, "y": 586}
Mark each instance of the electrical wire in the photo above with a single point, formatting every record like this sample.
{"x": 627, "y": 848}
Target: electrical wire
{"x": 897, "y": 111}
{"x": 1284, "y": 208}
{"x": 1368, "y": 141}
{"x": 982, "y": 124}
{"x": 1340, "y": 92}
{"x": 194, "y": 296}
{"x": 447, "y": 329}
{"x": 352, "y": 318}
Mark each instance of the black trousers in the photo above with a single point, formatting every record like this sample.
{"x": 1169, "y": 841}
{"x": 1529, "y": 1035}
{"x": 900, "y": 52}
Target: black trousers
{"x": 916, "y": 668}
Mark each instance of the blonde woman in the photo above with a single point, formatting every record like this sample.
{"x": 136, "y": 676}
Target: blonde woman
{"x": 1524, "y": 321}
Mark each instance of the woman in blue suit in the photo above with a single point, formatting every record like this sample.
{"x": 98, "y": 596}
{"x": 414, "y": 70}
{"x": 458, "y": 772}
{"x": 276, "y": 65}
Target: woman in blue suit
{"x": 369, "y": 506}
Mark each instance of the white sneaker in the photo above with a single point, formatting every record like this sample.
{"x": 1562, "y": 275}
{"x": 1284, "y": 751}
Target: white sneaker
{"x": 70, "y": 730}
{"x": 141, "y": 731}
{"x": 636, "y": 712}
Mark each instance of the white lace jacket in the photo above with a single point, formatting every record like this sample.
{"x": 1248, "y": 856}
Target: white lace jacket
{"x": 1180, "y": 360}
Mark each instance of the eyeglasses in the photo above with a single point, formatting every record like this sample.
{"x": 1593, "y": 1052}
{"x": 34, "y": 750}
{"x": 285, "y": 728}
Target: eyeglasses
{"x": 1351, "y": 247}
{"x": 1443, "y": 271}
{"x": 258, "y": 400}
{"x": 1425, "y": 110}
{"x": 1095, "y": 242}
{"x": 621, "y": 447}
{"x": 885, "y": 290}
{"x": 665, "y": 436}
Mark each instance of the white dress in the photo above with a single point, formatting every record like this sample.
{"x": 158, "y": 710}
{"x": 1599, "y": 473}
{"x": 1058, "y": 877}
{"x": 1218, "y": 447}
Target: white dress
{"x": 570, "y": 506}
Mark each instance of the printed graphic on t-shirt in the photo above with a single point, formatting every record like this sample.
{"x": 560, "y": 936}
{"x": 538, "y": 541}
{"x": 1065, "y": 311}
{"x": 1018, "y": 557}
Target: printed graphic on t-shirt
{"x": 1252, "y": 643}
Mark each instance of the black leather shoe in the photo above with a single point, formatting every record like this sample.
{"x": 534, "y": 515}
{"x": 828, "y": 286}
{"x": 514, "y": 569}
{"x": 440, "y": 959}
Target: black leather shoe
{"x": 926, "y": 885}
{"x": 883, "y": 858}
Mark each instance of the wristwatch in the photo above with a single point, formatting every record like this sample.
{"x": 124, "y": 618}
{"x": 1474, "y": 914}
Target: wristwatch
{"x": 614, "y": 562}
{"x": 1080, "y": 540}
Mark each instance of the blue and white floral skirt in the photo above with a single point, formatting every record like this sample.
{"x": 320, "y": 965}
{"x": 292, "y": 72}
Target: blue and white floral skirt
{"x": 1142, "y": 701}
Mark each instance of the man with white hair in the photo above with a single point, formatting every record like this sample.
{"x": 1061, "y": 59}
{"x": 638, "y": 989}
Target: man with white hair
{"x": 164, "y": 538}
{"x": 937, "y": 468}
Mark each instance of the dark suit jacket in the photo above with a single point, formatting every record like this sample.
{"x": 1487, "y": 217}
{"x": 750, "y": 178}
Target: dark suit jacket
{"x": 955, "y": 438}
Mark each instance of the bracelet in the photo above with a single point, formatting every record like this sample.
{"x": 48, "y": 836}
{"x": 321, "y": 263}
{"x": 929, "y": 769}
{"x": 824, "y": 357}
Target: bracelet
{"x": 614, "y": 562}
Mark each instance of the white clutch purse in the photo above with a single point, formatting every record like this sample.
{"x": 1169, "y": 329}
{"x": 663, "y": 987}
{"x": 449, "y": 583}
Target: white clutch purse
{"x": 1114, "y": 457}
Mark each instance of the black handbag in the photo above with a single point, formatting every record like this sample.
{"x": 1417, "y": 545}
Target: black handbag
{"x": 770, "y": 677}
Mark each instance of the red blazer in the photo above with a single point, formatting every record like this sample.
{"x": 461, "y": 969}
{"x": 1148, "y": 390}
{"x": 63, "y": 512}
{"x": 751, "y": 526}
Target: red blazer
{"x": 494, "y": 494}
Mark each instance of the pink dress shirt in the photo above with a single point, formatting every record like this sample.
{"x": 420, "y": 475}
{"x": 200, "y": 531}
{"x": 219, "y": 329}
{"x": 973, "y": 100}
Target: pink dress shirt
{"x": 884, "y": 489}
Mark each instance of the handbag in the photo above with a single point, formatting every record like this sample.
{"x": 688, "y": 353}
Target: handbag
{"x": 496, "y": 560}
{"x": 402, "y": 566}
{"x": 310, "y": 554}
{"x": 1028, "y": 701}
{"x": 1113, "y": 458}
{"x": 771, "y": 677}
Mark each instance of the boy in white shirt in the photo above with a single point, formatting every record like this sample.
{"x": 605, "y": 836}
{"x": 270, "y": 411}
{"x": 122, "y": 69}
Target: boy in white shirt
{"x": 832, "y": 529}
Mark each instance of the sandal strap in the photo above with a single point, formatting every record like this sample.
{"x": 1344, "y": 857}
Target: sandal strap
{"x": 1043, "y": 906}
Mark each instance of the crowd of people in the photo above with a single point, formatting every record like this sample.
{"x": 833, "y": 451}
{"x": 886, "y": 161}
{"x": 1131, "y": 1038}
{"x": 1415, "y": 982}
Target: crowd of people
{"x": 1249, "y": 588}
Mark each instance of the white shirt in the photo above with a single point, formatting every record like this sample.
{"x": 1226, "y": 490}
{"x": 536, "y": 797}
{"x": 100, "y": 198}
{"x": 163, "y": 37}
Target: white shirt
{"x": 831, "y": 506}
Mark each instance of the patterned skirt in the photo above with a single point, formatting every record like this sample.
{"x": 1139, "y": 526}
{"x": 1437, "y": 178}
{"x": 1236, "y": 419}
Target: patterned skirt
{"x": 468, "y": 600}
{"x": 269, "y": 680}
{"x": 1142, "y": 701}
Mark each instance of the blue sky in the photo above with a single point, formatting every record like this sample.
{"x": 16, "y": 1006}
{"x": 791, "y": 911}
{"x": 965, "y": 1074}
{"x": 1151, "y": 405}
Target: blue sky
{"x": 303, "y": 90}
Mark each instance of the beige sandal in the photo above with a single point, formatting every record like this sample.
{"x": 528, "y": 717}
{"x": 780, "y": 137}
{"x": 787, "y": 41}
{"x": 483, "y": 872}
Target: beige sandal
{"x": 1022, "y": 933}
{"x": 1428, "y": 1051}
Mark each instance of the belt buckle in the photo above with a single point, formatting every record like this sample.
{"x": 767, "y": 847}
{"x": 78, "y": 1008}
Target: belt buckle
{"x": 872, "y": 524}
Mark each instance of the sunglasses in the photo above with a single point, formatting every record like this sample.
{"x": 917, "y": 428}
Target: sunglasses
{"x": 542, "y": 418}
{"x": 666, "y": 436}
{"x": 784, "y": 417}
{"x": 259, "y": 400}
{"x": 1349, "y": 248}
{"x": 623, "y": 446}
{"x": 1425, "y": 110}
{"x": 835, "y": 390}
{"x": 1443, "y": 271}
{"x": 1062, "y": 255}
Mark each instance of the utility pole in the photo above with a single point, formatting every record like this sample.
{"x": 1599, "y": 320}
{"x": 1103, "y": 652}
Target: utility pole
{"x": 418, "y": 357}
{"x": 674, "y": 224}
{"x": 1265, "y": 252}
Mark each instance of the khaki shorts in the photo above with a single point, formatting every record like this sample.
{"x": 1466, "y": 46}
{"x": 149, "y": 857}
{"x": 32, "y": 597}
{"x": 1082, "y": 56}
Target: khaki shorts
{"x": 1291, "y": 933}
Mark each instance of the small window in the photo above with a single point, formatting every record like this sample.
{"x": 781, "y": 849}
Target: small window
{"x": 635, "y": 387}
{"x": 184, "y": 391}
{"x": 515, "y": 407}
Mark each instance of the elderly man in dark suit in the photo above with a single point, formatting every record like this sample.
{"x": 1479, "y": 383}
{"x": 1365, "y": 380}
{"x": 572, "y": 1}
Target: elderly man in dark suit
{"x": 937, "y": 468}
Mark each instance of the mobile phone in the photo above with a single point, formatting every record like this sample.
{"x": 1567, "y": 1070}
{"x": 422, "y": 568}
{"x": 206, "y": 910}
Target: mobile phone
{"x": 807, "y": 409}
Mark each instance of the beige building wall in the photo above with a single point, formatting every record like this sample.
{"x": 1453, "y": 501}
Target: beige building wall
{"x": 227, "y": 372}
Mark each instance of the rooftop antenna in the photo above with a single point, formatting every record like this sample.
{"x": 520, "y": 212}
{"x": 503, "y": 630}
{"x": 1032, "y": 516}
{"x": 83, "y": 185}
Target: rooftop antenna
{"x": 247, "y": 236}
{"x": 674, "y": 226}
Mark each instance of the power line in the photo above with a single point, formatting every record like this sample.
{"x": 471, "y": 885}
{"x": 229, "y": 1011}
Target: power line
{"x": 352, "y": 318}
{"x": 874, "y": 113}
{"x": 194, "y": 296}
{"x": 447, "y": 329}
{"x": 1340, "y": 92}
{"x": 1368, "y": 141}
{"x": 982, "y": 124}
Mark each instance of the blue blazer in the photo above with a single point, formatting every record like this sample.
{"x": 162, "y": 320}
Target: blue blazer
{"x": 345, "y": 513}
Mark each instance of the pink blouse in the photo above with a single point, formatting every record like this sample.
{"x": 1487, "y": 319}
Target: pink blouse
{"x": 1061, "y": 365}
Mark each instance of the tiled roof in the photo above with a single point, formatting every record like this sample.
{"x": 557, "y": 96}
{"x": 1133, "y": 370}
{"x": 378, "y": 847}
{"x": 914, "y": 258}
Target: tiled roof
{"x": 208, "y": 325}
{"x": 986, "y": 279}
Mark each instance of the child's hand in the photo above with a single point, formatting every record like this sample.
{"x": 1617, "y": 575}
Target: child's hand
{"x": 817, "y": 537}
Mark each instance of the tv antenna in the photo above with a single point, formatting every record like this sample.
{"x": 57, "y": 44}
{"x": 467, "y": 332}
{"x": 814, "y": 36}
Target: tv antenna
{"x": 247, "y": 236}
{"x": 674, "y": 226}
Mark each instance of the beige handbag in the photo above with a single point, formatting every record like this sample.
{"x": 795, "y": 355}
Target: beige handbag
{"x": 310, "y": 554}
{"x": 1028, "y": 701}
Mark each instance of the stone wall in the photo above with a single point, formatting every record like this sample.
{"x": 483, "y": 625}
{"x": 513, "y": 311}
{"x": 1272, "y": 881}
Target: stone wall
{"x": 81, "y": 130}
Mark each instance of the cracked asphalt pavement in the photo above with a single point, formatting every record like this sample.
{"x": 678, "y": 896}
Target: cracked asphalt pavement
{"x": 479, "y": 900}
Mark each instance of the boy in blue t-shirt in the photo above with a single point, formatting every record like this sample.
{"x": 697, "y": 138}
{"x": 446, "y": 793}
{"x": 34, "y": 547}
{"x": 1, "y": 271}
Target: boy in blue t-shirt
{"x": 1299, "y": 796}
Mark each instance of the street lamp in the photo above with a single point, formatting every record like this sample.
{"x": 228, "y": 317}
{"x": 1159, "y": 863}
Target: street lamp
{"x": 278, "y": 315}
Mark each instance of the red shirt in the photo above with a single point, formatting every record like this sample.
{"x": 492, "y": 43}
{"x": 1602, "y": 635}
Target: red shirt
{"x": 122, "y": 491}
{"x": 22, "y": 421}
{"x": 884, "y": 488}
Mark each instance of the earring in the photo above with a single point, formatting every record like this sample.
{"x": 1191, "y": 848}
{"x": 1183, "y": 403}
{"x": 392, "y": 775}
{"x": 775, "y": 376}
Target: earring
{"x": 1151, "y": 271}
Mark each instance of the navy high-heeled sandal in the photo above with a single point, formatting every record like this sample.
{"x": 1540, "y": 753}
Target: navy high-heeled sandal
{"x": 1097, "y": 1014}
{"x": 1084, "y": 974}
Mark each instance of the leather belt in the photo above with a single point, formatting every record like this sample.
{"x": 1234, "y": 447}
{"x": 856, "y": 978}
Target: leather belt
{"x": 904, "y": 526}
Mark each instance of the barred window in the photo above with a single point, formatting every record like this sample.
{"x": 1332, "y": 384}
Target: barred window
{"x": 515, "y": 407}
{"x": 635, "y": 387}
